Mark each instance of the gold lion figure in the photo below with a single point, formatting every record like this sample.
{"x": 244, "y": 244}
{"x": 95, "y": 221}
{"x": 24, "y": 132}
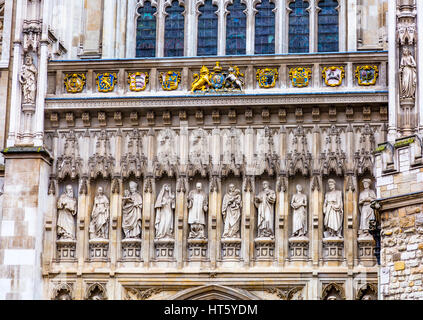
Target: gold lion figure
{"x": 201, "y": 81}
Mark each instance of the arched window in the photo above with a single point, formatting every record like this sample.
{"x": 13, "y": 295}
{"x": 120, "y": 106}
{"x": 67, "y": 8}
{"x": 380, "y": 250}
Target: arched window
{"x": 328, "y": 35}
{"x": 146, "y": 31}
{"x": 236, "y": 29}
{"x": 207, "y": 30}
{"x": 174, "y": 31}
{"x": 265, "y": 28}
{"x": 298, "y": 27}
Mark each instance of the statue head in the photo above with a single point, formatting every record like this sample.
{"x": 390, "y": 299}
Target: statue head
{"x": 204, "y": 70}
{"x": 231, "y": 187}
{"x": 367, "y": 297}
{"x": 28, "y": 59}
{"x": 332, "y": 298}
{"x": 405, "y": 51}
{"x": 69, "y": 191}
{"x": 265, "y": 185}
{"x": 299, "y": 188}
{"x": 198, "y": 186}
{"x": 133, "y": 186}
{"x": 331, "y": 184}
{"x": 166, "y": 187}
{"x": 366, "y": 183}
{"x": 100, "y": 191}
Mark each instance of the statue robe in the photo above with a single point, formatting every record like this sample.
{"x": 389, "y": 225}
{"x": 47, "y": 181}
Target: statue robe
{"x": 333, "y": 210}
{"x": 132, "y": 215}
{"x": 99, "y": 225}
{"x": 265, "y": 212}
{"x": 299, "y": 213}
{"x": 196, "y": 208}
{"x": 231, "y": 210}
{"x": 66, "y": 209}
{"x": 408, "y": 76}
{"x": 164, "y": 215}
{"x": 367, "y": 213}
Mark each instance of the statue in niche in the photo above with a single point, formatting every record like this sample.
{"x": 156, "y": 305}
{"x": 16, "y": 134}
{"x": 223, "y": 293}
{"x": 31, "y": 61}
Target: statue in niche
{"x": 165, "y": 203}
{"x": 132, "y": 212}
{"x": 231, "y": 211}
{"x": 333, "y": 211}
{"x": 66, "y": 210}
{"x": 408, "y": 74}
{"x": 197, "y": 205}
{"x": 299, "y": 213}
{"x": 99, "y": 225}
{"x": 264, "y": 202}
{"x": 28, "y": 80}
{"x": 367, "y": 213}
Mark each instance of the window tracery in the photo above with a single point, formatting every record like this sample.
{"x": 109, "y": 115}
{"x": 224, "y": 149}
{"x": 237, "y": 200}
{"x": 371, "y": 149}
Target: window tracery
{"x": 265, "y": 28}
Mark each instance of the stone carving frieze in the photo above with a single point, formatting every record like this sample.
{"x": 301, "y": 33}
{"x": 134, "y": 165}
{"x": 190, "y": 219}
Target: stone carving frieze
{"x": 133, "y": 161}
{"x": 288, "y": 293}
{"x": 299, "y": 159}
{"x": 232, "y": 158}
{"x": 63, "y": 291}
{"x": 132, "y": 293}
{"x": 69, "y": 163}
{"x": 96, "y": 291}
{"x": 199, "y": 156}
{"x": 333, "y": 157}
{"x": 363, "y": 158}
{"x": 166, "y": 160}
{"x": 101, "y": 162}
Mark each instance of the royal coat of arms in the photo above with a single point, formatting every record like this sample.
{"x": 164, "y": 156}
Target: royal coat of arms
{"x": 218, "y": 80}
{"x": 333, "y": 75}
{"x": 137, "y": 80}
{"x": 267, "y": 77}
{"x": 300, "y": 76}
{"x": 74, "y": 82}
{"x": 170, "y": 80}
{"x": 366, "y": 75}
{"x": 106, "y": 81}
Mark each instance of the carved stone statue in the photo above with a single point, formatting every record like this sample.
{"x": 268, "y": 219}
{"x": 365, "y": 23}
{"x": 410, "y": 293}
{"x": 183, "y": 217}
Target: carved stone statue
{"x": 231, "y": 211}
{"x": 367, "y": 213}
{"x": 408, "y": 74}
{"x": 264, "y": 202}
{"x": 333, "y": 211}
{"x": 99, "y": 225}
{"x": 66, "y": 210}
{"x": 299, "y": 213}
{"x": 28, "y": 81}
{"x": 197, "y": 205}
{"x": 165, "y": 203}
{"x": 132, "y": 212}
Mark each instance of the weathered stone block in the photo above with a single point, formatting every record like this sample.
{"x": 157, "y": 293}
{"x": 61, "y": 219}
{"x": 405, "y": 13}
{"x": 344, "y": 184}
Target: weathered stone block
{"x": 399, "y": 265}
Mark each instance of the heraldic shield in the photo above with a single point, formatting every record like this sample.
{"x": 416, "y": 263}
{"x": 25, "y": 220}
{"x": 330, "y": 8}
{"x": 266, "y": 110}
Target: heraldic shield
{"x": 106, "y": 81}
{"x": 170, "y": 80}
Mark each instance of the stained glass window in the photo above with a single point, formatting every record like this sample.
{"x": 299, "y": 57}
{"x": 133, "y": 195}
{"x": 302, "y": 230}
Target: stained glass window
{"x": 328, "y": 39}
{"x": 264, "y": 28}
{"x": 236, "y": 29}
{"x": 298, "y": 27}
{"x": 174, "y": 31}
{"x": 146, "y": 31}
{"x": 207, "y": 30}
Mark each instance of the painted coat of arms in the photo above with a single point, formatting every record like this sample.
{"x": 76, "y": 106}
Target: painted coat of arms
{"x": 106, "y": 81}
{"x": 137, "y": 81}
{"x": 218, "y": 80}
{"x": 300, "y": 76}
{"x": 170, "y": 80}
{"x": 267, "y": 77}
{"x": 366, "y": 75}
{"x": 333, "y": 75}
{"x": 74, "y": 82}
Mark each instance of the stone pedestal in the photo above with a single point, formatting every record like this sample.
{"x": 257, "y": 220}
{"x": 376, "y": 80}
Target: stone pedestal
{"x": 131, "y": 249}
{"x": 366, "y": 251}
{"x": 165, "y": 249}
{"x": 298, "y": 248}
{"x": 333, "y": 249}
{"x": 66, "y": 250}
{"x": 264, "y": 248}
{"x": 231, "y": 248}
{"x": 99, "y": 249}
{"x": 197, "y": 249}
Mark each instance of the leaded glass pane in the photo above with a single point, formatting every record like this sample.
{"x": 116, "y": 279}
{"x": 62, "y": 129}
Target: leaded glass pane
{"x": 174, "y": 31}
{"x": 207, "y": 30}
{"x": 236, "y": 29}
{"x": 298, "y": 27}
{"x": 328, "y": 35}
{"x": 264, "y": 42}
{"x": 146, "y": 31}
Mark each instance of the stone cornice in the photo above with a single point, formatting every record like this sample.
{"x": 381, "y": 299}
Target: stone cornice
{"x": 400, "y": 201}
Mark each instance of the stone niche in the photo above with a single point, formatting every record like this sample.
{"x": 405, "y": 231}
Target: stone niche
{"x": 66, "y": 248}
{"x": 230, "y": 246}
{"x": 198, "y": 247}
{"x": 264, "y": 245}
{"x": 298, "y": 244}
{"x": 165, "y": 247}
{"x": 333, "y": 246}
{"x": 131, "y": 247}
{"x": 99, "y": 246}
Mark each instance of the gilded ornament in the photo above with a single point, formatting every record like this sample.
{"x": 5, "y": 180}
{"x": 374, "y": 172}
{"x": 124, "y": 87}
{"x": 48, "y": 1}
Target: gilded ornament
{"x": 106, "y": 81}
{"x": 366, "y": 75}
{"x": 300, "y": 76}
{"x": 137, "y": 80}
{"x": 74, "y": 82}
{"x": 170, "y": 80}
{"x": 202, "y": 80}
{"x": 267, "y": 77}
{"x": 333, "y": 75}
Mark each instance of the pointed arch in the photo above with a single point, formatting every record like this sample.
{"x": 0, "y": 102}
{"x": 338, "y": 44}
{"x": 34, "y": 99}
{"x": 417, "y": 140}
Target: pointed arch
{"x": 213, "y": 292}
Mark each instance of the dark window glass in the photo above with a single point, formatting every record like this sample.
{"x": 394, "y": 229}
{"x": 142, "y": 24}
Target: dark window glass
{"x": 265, "y": 28}
{"x": 174, "y": 31}
{"x": 298, "y": 27}
{"x": 207, "y": 30}
{"x": 146, "y": 31}
{"x": 328, "y": 39}
{"x": 236, "y": 29}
